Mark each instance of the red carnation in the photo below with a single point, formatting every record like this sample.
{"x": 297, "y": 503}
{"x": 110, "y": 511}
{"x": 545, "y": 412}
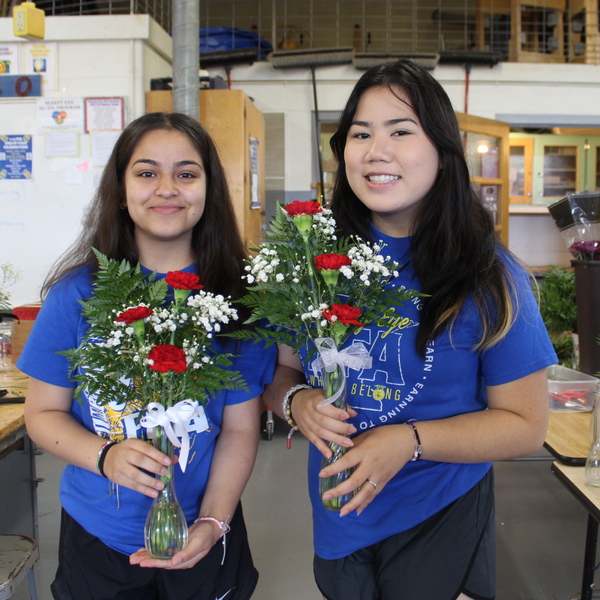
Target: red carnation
{"x": 131, "y": 315}
{"x": 297, "y": 208}
{"x": 346, "y": 314}
{"x": 183, "y": 281}
{"x": 167, "y": 357}
{"x": 331, "y": 261}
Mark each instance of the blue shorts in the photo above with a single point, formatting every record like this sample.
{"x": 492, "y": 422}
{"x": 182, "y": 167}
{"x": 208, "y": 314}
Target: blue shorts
{"x": 452, "y": 552}
{"x": 89, "y": 570}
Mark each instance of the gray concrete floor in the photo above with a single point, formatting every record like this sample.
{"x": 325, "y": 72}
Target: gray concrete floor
{"x": 540, "y": 539}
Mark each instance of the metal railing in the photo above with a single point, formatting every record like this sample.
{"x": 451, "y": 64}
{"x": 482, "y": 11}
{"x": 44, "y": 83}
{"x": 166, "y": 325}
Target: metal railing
{"x": 515, "y": 30}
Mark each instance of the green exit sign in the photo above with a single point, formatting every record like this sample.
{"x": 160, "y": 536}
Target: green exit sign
{"x": 20, "y": 86}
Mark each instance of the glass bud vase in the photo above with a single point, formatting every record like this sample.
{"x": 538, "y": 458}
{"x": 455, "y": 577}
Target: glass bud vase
{"x": 333, "y": 382}
{"x": 166, "y": 530}
{"x": 592, "y": 464}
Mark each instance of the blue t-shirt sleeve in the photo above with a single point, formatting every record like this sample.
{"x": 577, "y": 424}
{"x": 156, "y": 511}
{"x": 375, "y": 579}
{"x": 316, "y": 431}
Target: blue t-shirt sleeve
{"x": 527, "y": 347}
{"x": 256, "y": 363}
{"x": 57, "y": 327}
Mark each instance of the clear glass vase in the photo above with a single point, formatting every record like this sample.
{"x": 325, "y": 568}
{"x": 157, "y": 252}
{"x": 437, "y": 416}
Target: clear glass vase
{"x": 166, "y": 530}
{"x": 334, "y": 382}
{"x": 592, "y": 464}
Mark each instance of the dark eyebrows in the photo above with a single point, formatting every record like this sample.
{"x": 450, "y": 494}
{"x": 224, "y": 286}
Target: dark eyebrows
{"x": 154, "y": 163}
{"x": 389, "y": 123}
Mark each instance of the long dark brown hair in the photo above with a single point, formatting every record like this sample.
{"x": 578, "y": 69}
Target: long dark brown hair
{"x": 217, "y": 246}
{"x": 455, "y": 250}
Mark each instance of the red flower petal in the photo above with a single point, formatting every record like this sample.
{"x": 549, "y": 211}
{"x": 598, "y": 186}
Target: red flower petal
{"x": 331, "y": 261}
{"x": 183, "y": 281}
{"x": 297, "y": 208}
{"x": 167, "y": 357}
{"x": 346, "y": 314}
{"x": 131, "y": 315}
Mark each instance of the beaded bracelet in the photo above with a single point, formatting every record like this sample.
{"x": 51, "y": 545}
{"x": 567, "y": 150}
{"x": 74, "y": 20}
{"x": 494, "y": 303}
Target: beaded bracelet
{"x": 102, "y": 457}
{"x": 223, "y": 526}
{"x": 286, "y": 408}
{"x": 418, "y": 448}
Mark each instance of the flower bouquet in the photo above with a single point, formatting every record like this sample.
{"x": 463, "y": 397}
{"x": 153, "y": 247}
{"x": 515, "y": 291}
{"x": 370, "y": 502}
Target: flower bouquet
{"x": 315, "y": 289}
{"x": 153, "y": 356}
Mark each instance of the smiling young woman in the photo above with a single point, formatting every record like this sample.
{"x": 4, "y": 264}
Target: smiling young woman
{"x": 165, "y": 191}
{"x": 460, "y": 375}
{"x": 391, "y": 164}
{"x": 162, "y": 201}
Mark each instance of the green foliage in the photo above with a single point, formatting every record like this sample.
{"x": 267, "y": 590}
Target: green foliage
{"x": 293, "y": 297}
{"x": 112, "y": 362}
{"x": 558, "y": 307}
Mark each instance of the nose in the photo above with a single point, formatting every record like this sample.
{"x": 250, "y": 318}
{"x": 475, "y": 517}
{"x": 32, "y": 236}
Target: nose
{"x": 379, "y": 149}
{"x": 166, "y": 187}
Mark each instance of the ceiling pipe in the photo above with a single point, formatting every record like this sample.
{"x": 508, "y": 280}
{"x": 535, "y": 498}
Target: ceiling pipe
{"x": 186, "y": 57}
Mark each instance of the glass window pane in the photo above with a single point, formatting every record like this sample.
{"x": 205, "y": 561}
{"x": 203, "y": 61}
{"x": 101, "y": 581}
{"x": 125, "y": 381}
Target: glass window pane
{"x": 517, "y": 171}
{"x": 489, "y": 196}
{"x": 560, "y": 170}
{"x": 482, "y": 155}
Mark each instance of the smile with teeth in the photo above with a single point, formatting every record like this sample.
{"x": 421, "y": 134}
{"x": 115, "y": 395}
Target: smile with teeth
{"x": 382, "y": 178}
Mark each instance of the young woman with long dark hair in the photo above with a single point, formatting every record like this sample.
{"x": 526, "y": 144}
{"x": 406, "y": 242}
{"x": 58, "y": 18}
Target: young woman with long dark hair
{"x": 163, "y": 201}
{"x": 458, "y": 378}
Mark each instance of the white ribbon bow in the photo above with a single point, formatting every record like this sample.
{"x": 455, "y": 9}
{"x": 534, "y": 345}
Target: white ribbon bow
{"x": 175, "y": 421}
{"x": 355, "y": 357}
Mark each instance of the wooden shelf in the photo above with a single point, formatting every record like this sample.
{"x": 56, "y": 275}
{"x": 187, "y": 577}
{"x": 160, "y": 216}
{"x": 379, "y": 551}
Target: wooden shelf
{"x": 524, "y": 30}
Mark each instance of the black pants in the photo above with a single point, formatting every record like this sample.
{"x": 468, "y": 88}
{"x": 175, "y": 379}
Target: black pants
{"x": 89, "y": 570}
{"x": 452, "y": 552}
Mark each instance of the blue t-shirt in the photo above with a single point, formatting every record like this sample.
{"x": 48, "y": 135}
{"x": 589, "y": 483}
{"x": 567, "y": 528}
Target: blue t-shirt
{"x": 112, "y": 513}
{"x": 450, "y": 380}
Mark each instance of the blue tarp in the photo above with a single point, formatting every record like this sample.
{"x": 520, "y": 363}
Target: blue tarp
{"x": 214, "y": 39}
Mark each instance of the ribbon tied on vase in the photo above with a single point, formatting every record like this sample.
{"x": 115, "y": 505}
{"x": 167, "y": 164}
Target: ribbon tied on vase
{"x": 355, "y": 357}
{"x": 175, "y": 420}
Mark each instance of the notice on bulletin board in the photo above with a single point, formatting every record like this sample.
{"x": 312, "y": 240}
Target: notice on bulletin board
{"x": 104, "y": 114}
{"x": 41, "y": 59}
{"x": 9, "y": 59}
{"x": 60, "y": 113}
{"x": 15, "y": 157}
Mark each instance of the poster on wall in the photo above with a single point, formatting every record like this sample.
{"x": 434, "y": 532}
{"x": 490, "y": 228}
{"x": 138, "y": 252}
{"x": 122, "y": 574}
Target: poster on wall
{"x": 15, "y": 157}
{"x": 9, "y": 59}
{"x": 104, "y": 114}
{"x": 41, "y": 59}
{"x": 61, "y": 144}
{"x": 54, "y": 114}
{"x": 103, "y": 143}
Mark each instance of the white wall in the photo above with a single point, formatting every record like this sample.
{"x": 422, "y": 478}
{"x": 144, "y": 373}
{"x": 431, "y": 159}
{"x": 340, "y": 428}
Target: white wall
{"x": 96, "y": 56}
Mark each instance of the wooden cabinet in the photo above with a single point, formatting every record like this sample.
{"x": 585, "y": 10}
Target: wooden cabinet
{"x": 487, "y": 149}
{"x": 237, "y": 128}
{"x": 562, "y": 164}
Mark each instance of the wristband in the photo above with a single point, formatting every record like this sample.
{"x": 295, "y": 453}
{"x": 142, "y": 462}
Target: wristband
{"x": 286, "y": 408}
{"x": 223, "y": 526}
{"x": 418, "y": 448}
{"x": 102, "y": 457}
